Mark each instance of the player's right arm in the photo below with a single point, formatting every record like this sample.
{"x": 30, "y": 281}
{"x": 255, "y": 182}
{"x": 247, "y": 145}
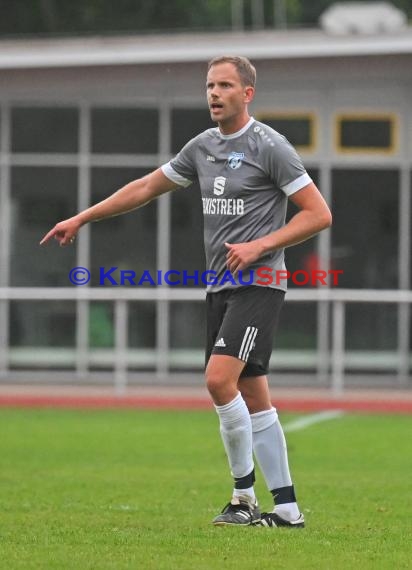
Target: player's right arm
{"x": 134, "y": 195}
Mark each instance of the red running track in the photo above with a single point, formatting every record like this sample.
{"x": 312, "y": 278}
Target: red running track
{"x": 391, "y": 406}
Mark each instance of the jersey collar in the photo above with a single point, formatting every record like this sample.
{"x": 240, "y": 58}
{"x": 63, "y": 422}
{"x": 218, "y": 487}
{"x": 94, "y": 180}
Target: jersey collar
{"x": 237, "y": 133}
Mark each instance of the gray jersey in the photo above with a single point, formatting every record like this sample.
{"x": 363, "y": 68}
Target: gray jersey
{"x": 245, "y": 179}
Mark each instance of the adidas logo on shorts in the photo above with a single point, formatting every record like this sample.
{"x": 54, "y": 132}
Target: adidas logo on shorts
{"x": 220, "y": 343}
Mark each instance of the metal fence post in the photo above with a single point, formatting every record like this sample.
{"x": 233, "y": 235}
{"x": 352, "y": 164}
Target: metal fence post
{"x": 4, "y": 338}
{"x": 120, "y": 358}
{"x": 338, "y": 347}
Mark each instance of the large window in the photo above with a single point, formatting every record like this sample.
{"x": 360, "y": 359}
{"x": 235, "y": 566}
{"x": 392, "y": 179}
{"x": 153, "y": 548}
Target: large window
{"x": 42, "y": 324}
{"x": 371, "y": 327}
{"x": 59, "y": 157}
{"x": 40, "y": 197}
{"x": 124, "y": 131}
{"x": 366, "y": 133}
{"x": 44, "y": 129}
{"x": 297, "y": 328}
{"x": 101, "y": 325}
{"x": 142, "y": 325}
{"x": 187, "y": 334}
{"x": 126, "y": 242}
{"x": 365, "y": 227}
{"x": 186, "y": 250}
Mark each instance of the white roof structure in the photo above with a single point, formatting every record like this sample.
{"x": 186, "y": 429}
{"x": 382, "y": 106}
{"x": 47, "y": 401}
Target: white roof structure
{"x": 191, "y": 47}
{"x": 362, "y": 18}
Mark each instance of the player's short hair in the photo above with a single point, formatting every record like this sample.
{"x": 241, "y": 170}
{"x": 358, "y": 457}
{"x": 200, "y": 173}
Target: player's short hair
{"x": 245, "y": 69}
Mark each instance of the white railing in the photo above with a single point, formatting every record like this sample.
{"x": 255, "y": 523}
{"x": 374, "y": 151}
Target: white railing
{"x": 332, "y": 352}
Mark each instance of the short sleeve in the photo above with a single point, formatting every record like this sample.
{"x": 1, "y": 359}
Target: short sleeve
{"x": 286, "y": 167}
{"x": 182, "y": 168}
{"x": 174, "y": 176}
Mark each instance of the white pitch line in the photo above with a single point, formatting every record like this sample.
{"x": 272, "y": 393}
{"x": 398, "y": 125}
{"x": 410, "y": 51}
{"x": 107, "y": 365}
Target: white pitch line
{"x": 302, "y": 423}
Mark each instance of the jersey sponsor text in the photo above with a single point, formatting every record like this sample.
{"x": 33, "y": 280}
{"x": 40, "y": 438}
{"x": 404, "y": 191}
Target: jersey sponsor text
{"x": 224, "y": 206}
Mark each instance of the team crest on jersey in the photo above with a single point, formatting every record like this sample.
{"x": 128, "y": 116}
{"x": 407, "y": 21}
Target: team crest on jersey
{"x": 235, "y": 159}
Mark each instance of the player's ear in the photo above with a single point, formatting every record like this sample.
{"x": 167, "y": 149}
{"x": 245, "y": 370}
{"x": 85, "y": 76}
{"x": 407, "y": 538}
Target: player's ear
{"x": 249, "y": 94}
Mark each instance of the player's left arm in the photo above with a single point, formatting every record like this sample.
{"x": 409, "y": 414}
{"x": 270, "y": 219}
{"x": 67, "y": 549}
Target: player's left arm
{"x": 313, "y": 216}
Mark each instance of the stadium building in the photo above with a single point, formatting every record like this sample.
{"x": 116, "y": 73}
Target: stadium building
{"x": 81, "y": 117}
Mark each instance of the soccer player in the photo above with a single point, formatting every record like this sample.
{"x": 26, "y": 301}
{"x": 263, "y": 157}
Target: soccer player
{"x": 247, "y": 172}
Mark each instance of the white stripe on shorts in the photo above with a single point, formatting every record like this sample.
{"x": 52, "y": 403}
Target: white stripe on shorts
{"x": 247, "y": 343}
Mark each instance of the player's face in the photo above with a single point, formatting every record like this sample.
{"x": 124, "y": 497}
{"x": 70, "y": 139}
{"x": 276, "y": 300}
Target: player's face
{"x": 227, "y": 97}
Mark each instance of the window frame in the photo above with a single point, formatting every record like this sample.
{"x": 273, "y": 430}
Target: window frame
{"x": 393, "y": 119}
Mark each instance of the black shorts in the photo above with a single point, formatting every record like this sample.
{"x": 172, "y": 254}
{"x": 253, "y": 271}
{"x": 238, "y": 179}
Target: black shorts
{"x": 242, "y": 323}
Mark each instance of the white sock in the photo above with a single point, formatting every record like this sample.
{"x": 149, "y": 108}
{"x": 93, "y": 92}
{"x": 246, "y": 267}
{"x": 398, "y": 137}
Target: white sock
{"x": 249, "y": 493}
{"x": 236, "y": 432}
{"x": 269, "y": 446}
{"x": 288, "y": 511}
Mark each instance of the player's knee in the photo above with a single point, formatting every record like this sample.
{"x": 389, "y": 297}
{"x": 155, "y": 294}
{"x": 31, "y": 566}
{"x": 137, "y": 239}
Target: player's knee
{"x": 220, "y": 386}
{"x": 215, "y": 381}
{"x": 222, "y": 375}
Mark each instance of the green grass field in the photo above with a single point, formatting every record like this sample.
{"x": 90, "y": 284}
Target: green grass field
{"x": 138, "y": 489}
